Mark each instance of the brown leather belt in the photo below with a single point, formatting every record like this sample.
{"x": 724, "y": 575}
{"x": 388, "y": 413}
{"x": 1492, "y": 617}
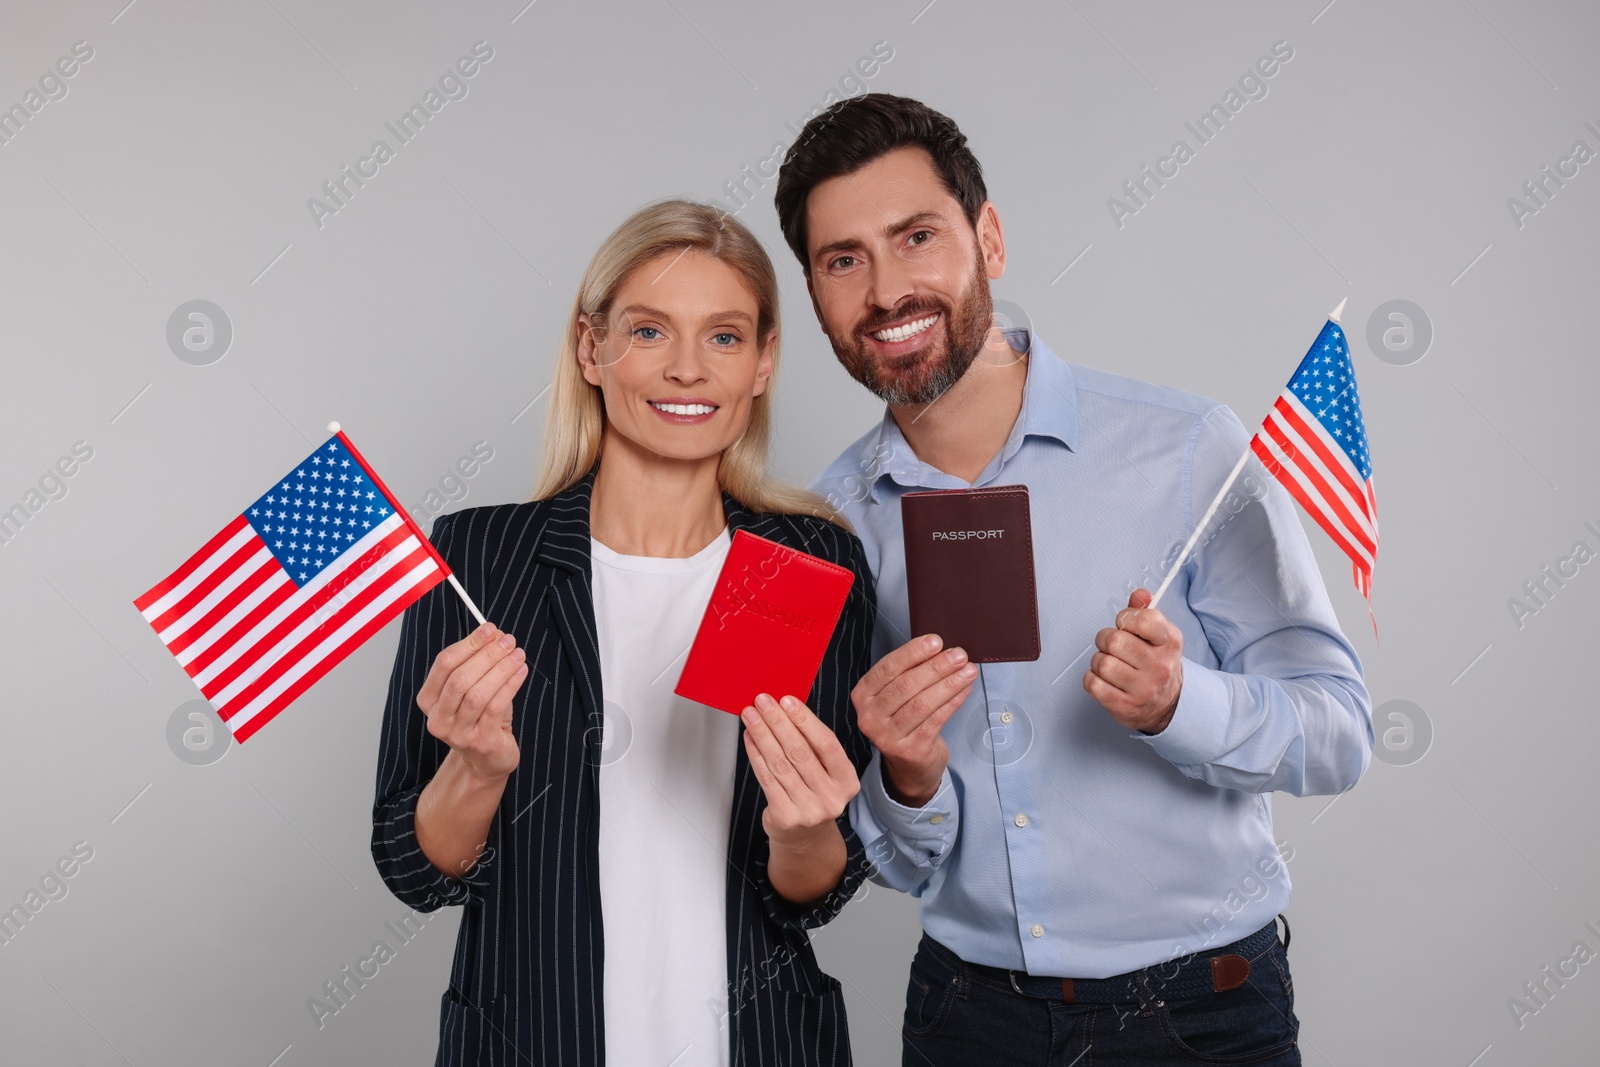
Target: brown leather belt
{"x": 1215, "y": 970}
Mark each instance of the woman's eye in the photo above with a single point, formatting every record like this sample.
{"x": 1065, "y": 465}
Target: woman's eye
{"x": 731, "y": 339}
{"x": 647, "y": 333}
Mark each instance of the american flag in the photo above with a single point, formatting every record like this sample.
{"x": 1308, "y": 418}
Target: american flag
{"x": 1314, "y": 442}
{"x": 316, "y": 565}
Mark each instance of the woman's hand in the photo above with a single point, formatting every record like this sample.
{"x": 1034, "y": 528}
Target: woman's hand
{"x": 467, "y": 699}
{"x": 803, "y": 770}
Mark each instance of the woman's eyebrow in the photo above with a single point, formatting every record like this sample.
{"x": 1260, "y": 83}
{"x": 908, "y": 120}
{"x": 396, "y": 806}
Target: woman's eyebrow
{"x": 718, "y": 316}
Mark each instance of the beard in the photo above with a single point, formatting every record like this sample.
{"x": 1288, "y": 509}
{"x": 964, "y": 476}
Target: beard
{"x": 922, "y": 377}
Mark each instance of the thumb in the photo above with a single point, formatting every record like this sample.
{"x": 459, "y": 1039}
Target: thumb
{"x": 1139, "y": 599}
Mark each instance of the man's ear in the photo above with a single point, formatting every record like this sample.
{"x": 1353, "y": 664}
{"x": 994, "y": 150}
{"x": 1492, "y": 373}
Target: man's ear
{"x": 591, "y": 334}
{"x": 764, "y": 363}
{"x": 991, "y": 242}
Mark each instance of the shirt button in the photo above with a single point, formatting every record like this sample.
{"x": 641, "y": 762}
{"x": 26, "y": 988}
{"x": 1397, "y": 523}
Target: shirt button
{"x": 1005, "y": 716}
{"x": 936, "y": 819}
{"x": 1037, "y": 930}
{"x": 1021, "y": 819}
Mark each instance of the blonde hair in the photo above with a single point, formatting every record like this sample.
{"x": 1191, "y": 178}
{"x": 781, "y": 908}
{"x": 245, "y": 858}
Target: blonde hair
{"x": 575, "y": 423}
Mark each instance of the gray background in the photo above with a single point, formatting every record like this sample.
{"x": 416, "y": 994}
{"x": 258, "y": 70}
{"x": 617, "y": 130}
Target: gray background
{"x": 424, "y": 316}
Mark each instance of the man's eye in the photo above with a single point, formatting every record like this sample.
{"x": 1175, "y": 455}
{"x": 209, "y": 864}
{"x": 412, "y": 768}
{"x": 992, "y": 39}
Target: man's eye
{"x": 844, "y": 261}
{"x": 921, "y": 233}
{"x": 649, "y": 332}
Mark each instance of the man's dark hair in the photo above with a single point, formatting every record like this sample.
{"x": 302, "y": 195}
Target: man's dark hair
{"x": 856, "y": 131}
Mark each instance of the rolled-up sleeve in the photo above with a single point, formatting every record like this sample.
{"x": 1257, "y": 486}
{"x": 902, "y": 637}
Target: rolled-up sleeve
{"x": 409, "y": 756}
{"x": 906, "y": 845}
{"x": 1283, "y": 705}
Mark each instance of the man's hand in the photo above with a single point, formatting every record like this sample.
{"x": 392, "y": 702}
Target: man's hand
{"x": 1138, "y": 671}
{"x": 901, "y": 705}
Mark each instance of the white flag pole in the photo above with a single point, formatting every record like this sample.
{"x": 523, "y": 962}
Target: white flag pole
{"x": 470, "y": 605}
{"x": 333, "y": 427}
{"x": 1333, "y": 316}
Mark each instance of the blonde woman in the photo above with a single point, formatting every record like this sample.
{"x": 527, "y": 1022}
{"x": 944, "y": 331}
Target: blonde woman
{"x": 637, "y": 871}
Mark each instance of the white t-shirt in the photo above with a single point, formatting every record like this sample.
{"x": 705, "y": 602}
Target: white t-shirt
{"x": 666, "y": 794}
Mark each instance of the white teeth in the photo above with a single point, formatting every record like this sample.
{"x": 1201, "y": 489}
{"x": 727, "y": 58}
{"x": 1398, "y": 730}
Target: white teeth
{"x": 683, "y": 409}
{"x": 910, "y": 329}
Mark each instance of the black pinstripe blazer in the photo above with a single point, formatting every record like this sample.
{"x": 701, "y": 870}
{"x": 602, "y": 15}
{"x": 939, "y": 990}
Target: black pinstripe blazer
{"x": 526, "y": 984}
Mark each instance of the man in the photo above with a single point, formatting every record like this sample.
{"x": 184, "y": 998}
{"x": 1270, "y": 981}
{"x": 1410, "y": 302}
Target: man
{"x": 1090, "y": 833}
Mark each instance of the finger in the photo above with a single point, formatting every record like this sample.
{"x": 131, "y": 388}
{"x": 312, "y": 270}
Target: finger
{"x": 886, "y": 670}
{"x": 1128, "y": 647}
{"x": 783, "y": 773}
{"x": 460, "y": 681}
{"x": 824, "y": 743}
{"x": 1107, "y": 694}
{"x": 933, "y": 724}
{"x": 498, "y": 713}
{"x": 914, "y": 713}
{"x": 777, "y": 797}
{"x": 449, "y": 659}
{"x": 1140, "y": 598}
{"x": 794, "y": 743}
{"x": 1147, "y": 623}
{"x": 1114, "y": 672}
{"x": 475, "y": 700}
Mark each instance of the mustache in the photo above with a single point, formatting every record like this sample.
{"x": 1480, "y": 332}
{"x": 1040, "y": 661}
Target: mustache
{"x": 912, "y": 309}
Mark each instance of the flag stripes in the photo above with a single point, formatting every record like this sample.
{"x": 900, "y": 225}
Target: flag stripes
{"x": 255, "y": 624}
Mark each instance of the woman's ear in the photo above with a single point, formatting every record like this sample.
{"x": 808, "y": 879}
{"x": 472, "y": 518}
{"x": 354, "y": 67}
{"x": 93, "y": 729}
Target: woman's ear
{"x": 591, "y": 335}
{"x": 764, "y": 363}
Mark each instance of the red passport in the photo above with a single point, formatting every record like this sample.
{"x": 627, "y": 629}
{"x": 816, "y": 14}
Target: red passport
{"x": 767, "y": 626}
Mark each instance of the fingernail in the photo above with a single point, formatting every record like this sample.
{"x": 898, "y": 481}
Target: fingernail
{"x": 507, "y": 641}
{"x": 931, "y": 642}
{"x": 763, "y": 701}
{"x": 749, "y": 716}
{"x": 956, "y": 655}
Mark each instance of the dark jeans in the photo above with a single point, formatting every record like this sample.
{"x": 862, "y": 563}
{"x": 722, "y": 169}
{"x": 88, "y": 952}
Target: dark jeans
{"x": 956, "y": 1017}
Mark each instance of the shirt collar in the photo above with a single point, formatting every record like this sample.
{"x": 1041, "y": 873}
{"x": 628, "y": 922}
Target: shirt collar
{"x": 1049, "y": 409}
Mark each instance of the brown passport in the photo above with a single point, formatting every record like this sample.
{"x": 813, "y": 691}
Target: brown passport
{"x": 969, "y": 570}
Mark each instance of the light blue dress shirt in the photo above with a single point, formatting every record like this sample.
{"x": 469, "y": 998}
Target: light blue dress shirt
{"x": 1062, "y": 843}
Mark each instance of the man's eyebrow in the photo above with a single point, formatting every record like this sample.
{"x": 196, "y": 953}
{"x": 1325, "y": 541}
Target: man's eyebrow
{"x": 719, "y": 316}
{"x": 891, "y": 230}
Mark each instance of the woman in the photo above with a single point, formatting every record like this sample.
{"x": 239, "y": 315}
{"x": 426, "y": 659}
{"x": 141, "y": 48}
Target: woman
{"x": 637, "y": 879}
